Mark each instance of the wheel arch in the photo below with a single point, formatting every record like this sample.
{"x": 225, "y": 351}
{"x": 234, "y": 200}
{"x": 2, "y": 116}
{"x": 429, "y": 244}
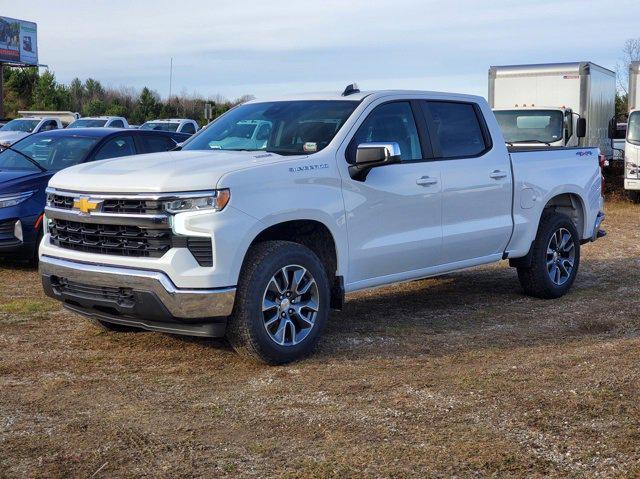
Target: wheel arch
{"x": 572, "y": 205}
{"x": 314, "y": 235}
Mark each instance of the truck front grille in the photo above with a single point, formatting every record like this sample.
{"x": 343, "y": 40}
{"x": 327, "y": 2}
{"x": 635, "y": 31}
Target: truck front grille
{"x": 110, "y": 239}
{"x": 126, "y": 206}
{"x": 125, "y": 240}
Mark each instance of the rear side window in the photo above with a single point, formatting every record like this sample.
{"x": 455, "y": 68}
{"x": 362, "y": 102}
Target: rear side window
{"x": 117, "y": 124}
{"x": 116, "y": 147}
{"x": 155, "y": 144}
{"x": 188, "y": 128}
{"x": 457, "y": 129}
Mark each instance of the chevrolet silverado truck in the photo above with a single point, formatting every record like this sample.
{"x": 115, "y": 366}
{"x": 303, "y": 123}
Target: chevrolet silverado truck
{"x": 349, "y": 191}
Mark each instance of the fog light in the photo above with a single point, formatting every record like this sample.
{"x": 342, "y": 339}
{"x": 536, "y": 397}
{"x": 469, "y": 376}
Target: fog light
{"x": 17, "y": 230}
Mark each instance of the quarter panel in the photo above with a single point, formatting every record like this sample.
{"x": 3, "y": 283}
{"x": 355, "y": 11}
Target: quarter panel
{"x": 541, "y": 175}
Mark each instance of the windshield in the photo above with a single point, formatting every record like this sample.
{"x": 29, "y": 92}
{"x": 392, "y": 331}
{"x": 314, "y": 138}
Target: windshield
{"x": 25, "y": 126}
{"x": 284, "y": 127}
{"x": 531, "y": 125}
{"x": 633, "y": 128}
{"x": 52, "y": 153}
{"x": 88, "y": 123}
{"x": 160, "y": 126}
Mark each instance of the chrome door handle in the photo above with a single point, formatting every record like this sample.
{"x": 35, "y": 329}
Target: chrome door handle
{"x": 498, "y": 175}
{"x": 426, "y": 181}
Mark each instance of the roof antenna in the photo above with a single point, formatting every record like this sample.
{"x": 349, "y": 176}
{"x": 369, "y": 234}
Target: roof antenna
{"x": 351, "y": 89}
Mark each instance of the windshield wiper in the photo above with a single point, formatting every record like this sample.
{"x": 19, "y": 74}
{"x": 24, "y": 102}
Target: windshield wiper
{"x": 31, "y": 160}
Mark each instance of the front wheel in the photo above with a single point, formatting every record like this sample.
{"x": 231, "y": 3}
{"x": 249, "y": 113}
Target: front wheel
{"x": 634, "y": 196}
{"x": 282, "y": 303}
{"x": 555, "y": 258}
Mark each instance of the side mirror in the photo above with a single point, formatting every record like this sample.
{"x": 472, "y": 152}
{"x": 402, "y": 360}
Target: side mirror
{"x": 581, "y": 128}
{"x": 613, "y": 127}
{"x": 373, "y": 155}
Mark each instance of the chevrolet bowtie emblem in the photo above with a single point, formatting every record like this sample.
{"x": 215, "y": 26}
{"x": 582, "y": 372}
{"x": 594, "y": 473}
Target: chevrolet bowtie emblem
{"x": 85, "y": 206}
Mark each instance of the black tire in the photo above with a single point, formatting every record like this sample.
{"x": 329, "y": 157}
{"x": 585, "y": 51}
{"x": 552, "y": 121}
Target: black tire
{"x": 246, "y": 329}
{"x": 634, "y": 196}
{"x": 535, "y": 279}
{"x": 113, "y": 327}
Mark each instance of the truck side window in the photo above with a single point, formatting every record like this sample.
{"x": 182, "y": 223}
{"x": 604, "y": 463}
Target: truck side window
{"x": 457, "y": 129}
{"x": 188, "y": 128}
{"x": 391, "y": 122}
{"x": 49, "y": 125}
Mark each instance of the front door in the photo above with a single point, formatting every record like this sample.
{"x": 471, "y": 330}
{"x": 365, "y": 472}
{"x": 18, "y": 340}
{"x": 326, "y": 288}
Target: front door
{"x": 394, "y": 215}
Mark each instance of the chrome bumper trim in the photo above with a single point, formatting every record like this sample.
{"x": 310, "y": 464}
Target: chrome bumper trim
{"x": 143, "y": 221}
{"x": 181, "y": 303}
{"x": 131, "y": 196}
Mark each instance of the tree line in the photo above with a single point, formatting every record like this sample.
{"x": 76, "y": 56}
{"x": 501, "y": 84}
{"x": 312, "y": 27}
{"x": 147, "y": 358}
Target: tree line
{"x": 27, "y": 89}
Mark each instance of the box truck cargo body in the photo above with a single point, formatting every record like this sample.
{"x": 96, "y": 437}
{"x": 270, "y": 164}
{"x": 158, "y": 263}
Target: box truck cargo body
{"x": 552, "y": 103}
{"x": 632, "y": 145}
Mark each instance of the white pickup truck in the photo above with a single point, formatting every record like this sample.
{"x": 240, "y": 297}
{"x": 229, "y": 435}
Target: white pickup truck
{"x": 349, "y": 192}
{"x": 22, "y": 127}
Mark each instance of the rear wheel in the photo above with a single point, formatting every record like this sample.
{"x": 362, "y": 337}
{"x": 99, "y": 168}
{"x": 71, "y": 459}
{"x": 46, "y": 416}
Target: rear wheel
{"x": 555, "y": 258}
{"x": 282, "y": 303}
{"x": 634, "y": 196}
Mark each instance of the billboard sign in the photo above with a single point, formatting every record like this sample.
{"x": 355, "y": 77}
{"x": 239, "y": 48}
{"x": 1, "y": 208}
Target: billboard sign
{"x": 18, "y": 41}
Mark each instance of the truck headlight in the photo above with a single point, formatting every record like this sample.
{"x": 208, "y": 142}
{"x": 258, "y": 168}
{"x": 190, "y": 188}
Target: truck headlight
{"x": 14, "y": 199}
{"x": 217, "y": 200}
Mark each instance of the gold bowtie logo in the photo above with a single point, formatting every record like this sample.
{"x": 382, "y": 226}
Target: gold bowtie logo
{"x": 84, "y": 205}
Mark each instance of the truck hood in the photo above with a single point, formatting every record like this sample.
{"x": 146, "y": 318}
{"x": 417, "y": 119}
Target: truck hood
{"x": 11, "y": 137}
{"x": 167, "y": 172}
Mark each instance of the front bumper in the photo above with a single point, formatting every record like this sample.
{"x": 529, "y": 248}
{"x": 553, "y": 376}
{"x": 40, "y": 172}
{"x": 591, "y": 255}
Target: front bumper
{"x": 136, "y": 297}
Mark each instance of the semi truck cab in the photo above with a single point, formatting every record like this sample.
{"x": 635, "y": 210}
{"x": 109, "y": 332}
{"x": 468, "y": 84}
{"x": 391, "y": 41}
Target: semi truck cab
{"x": 531, "y": 126}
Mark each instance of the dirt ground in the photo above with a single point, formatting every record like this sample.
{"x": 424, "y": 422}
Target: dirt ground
{"x": 460, "y": 375}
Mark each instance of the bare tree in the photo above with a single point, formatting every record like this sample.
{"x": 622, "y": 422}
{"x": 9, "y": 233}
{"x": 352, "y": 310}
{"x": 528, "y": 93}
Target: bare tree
{"x": 630, "y": 54}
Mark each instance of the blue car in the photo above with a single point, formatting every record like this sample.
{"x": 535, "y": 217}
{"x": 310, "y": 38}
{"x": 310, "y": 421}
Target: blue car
{"x": 28, "y": 165}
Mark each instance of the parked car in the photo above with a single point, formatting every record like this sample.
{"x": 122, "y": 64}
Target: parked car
{"x": 100, "y": 122}
{"x": 349, "y": 192}
{"x": 559, "y": 104}
{"x": 179, "y": 125}
{"x": 25, "y": 170}
{"x": 21, "y": 127}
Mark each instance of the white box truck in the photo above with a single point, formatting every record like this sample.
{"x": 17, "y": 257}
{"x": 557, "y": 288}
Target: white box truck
{"x": 557, "y": 104}
{"x": 632, "y": 144}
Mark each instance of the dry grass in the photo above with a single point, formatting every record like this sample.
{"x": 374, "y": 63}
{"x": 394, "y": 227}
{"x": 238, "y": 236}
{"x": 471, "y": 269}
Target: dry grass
{"x": 460, "y": 375}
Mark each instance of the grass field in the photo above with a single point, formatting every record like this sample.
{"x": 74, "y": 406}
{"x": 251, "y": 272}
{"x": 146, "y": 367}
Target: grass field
{"x": 458, "y": 375}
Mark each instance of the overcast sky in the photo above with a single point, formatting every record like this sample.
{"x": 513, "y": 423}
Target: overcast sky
{"x": 279, "y": 46}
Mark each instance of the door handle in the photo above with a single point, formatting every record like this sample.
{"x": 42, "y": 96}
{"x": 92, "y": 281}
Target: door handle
{"x": 426, "y": 181}
{"x": 498, "y": 175}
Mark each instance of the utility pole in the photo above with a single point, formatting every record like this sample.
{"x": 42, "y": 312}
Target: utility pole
{"x": 170, "y": 78}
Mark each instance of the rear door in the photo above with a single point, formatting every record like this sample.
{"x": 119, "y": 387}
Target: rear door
{"x": 476, "y": 181}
